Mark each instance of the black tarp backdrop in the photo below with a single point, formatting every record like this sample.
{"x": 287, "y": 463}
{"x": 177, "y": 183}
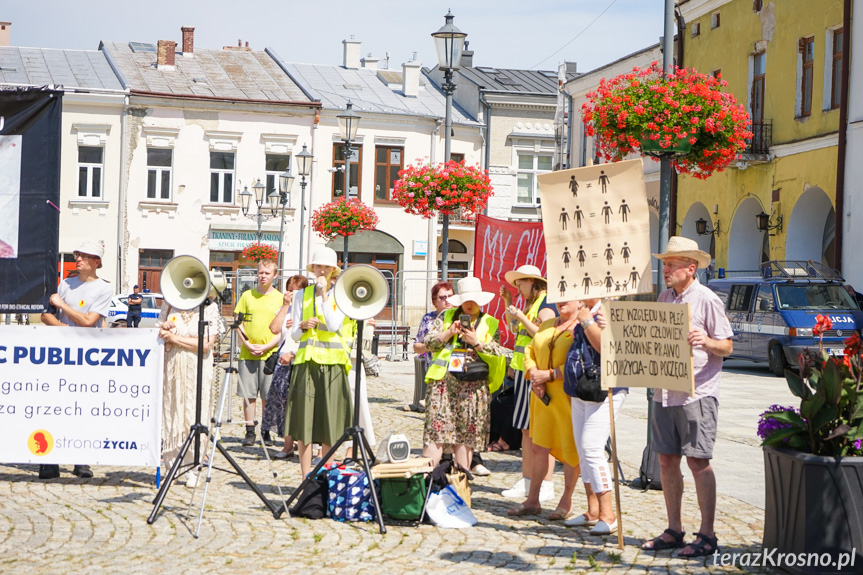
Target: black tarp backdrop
{"x": 27, "y": 281}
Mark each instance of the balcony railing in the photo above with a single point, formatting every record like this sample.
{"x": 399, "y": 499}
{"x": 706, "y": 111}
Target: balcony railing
{"x": 460, "y": 218}
{"x": 762, "y": 138}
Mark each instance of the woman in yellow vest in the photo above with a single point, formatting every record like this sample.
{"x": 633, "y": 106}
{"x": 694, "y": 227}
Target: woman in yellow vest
{"x": 468, "y": 363}
{"x": 319, "y": 401}
{"x": 550, "y": 410}
{"x": 531, "y": 285}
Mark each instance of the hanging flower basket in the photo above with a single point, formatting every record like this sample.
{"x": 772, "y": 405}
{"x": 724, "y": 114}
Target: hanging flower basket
{"x": 451, "y": 188}
{"x": 258, "y": 252}
{"x": 660, "y": 115}
{"x": 343, "y": 218}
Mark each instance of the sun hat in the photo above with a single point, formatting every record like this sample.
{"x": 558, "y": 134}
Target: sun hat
{"x": 92, "y": 248}
{"x": 323, "y": 256}
{"x": 680, "y": 247}
{"x": 470, "y": 289}
{"x": 525, "y": 271}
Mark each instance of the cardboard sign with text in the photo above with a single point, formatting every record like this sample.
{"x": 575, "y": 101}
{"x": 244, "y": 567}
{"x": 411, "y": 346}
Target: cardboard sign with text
{"x": 597, "y": 231}
{"x": 645, "y": 345}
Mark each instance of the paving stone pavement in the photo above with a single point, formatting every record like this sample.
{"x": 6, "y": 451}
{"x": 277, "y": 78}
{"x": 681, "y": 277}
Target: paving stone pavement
{"x": 100, "y": 525}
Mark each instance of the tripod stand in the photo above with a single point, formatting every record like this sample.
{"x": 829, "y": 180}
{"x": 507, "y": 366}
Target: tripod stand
{"x": 353, "y": 433}
{"x": 198, "y": 429}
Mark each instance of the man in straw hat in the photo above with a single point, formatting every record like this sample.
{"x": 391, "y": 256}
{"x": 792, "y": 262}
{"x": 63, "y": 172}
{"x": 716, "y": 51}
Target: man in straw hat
{"x": 683, "y": 425}
{"x": 82, "y": 300}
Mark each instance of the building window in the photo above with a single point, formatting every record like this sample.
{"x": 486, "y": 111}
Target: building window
{"x": 806, "y": 47}
{"x": 714, "y": 20}
{"x": 150, "y": 264}
{"x": 90, "y": 171}
{"x": 276, "y": 166}
{"x": 759, "y": 64}
{"x": 388, "y": 162}
{"x": 339, "y": 173}
{"x": 717, "y": 73}
{"x": 836, "y": 75}
{"x": 529, "y": 166}
{"x": 159, "y": 162}
{"x": 458, "y": 158}
{"x": 222, "y": 177}
{"x": 696, "y": 29}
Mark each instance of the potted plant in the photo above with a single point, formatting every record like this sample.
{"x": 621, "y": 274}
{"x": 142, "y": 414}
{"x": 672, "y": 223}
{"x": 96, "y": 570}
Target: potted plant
{"x": 813, "y": 466}
{"x": 450, "y": 188}
{"x": 343, "y": 218}
{"x": 257, "y": 252}
{"x": 684, "y": 115}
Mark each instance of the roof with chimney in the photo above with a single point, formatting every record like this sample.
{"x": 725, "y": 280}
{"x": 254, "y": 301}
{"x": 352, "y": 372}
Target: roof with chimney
{"x": 69, "y": 69}
{"x": 232, "y": 74}
{"x": 371, "y": 90}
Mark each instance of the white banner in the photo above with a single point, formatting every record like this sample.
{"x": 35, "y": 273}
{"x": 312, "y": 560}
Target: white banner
{"x": 80, "y": 395}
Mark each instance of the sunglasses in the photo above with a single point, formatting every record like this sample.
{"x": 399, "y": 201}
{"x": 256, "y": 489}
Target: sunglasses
{"x": 444, "y": 297}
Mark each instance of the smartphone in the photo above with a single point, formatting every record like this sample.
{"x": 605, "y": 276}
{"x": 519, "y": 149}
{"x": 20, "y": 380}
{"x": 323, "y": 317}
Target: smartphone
{"x": 465, "y": 320}
{"x": 545, "y": 399}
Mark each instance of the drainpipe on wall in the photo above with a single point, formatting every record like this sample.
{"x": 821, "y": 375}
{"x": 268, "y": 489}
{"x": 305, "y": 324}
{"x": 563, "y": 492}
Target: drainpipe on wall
{"x": 839, "y": 234}
{"x": 569, "y": 123}
{"x": 121, "y": 213}
{"x": 487, "y": 158}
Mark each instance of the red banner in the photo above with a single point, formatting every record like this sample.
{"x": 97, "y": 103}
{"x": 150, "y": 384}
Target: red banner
{"x": 502, "y": 246}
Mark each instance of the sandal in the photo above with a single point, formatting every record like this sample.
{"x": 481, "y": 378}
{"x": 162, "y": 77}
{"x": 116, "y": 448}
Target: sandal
{"x": 560, "y": 514}
{"x": 498, "y": 446}
{"x": 699, "y": 547}
{"x": 521, "y": 509}
{"x": 660, "y": 544}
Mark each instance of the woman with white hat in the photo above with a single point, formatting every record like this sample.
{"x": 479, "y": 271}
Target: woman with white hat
{"x": 319, "y": 401}
{"x": 531, "y": 284}
{"x": 468, "y": 363}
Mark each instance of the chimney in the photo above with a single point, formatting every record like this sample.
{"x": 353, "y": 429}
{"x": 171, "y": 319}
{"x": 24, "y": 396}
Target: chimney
{"x": 369, "y": 63}
{"x": 352, "y": 49}
{"x": 411, "y": 78}
{"x": 4, "y": 33}
{"x": 188, "y": 40}
{"x": 571, "y": 67}
{"x": 466, "y": 57}
{"x": 165, "y": 53}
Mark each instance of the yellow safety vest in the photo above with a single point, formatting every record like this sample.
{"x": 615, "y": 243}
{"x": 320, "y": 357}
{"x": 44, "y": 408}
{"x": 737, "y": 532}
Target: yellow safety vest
{"x": 321, "y": 345}
{"x": 522, "y": 338}
{"x": 485, "y": 332}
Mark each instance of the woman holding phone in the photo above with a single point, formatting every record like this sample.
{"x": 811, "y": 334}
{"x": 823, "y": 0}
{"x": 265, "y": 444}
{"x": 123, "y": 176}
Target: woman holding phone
{"x": 468, "y": 362}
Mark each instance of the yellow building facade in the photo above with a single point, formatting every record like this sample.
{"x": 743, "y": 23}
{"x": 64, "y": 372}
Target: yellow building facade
{"x": 780, "y": 60}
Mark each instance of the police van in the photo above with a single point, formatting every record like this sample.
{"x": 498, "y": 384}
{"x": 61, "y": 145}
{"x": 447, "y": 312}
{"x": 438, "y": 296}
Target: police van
{"x": 150, "y": 309}
{"x": 773, "y": 315}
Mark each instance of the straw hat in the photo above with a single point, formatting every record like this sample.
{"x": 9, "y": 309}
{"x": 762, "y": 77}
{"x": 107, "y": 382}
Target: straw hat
{"x": 525, "y": 271}
{"x": 323, "y": 256}
{"x": 470, "y": 289}
{"x": 680, "y": 247}
{"x": 92, "y": 248}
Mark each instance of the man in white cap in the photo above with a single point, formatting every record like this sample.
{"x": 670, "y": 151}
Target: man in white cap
{"x": 683, "y": 425}
{"x": 81, "y": 301}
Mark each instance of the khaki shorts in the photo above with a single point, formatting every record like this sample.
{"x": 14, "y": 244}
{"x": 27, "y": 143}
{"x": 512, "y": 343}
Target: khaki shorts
{"x": 252, "y": 380}
{"x": 688, "y": 430}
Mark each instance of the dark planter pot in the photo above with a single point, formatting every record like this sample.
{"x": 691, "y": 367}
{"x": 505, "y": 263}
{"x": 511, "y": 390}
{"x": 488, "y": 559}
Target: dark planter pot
{"x": 652, "y": 148}
{"x": 813, "y": 505}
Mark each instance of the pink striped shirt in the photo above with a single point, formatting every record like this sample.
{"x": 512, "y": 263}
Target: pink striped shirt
{"x": 706, "y": 312}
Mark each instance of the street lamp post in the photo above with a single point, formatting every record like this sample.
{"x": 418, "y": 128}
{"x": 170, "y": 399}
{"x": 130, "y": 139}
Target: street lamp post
{"x": 449, "y": 45}
{"x": 349, "y": 121}
{"x": 286, "y": 182}
{"x": 304, "y": 167}
{"x": 246, "y": 201}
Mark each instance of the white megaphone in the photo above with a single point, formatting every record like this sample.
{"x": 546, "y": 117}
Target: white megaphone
{"x": 185, "y": 282}
{"x": 361, "y": 292}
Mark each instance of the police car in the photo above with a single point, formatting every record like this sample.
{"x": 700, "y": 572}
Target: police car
{"x": 773, "y": 315}
{"x": 149, "y": 309}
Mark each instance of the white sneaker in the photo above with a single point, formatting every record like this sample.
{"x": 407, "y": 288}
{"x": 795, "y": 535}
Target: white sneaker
{"x": 480, "y": 470}
{"x": 546, "y": 492}
{"x": 192, "y": 479}
{"x": 519, "y": 490}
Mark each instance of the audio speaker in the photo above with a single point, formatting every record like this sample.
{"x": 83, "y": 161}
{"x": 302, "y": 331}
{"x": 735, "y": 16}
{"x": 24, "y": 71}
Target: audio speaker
{"x": 361, "y": 292}
{"x": 185, "y": 282}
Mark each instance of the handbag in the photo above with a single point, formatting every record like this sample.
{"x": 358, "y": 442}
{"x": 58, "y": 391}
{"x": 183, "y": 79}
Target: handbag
{"x": 446, "y": 509}
{"x": 402, "y": 498}
{"x": 312, "y": 502}
{"x": 372, "y": 364}
{"x": 473, "y": 371}
{"x": 272, "y": 361}
{"x": 350, "y": 495}
{"x": 581, "y": 373}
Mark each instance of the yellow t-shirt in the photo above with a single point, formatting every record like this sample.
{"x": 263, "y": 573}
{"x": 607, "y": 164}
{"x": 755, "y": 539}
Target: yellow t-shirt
{"x": 258, "y": 311}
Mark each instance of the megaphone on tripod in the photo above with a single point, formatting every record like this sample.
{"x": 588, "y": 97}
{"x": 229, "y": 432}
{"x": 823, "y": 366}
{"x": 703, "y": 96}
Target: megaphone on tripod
{"x": 186, "y": 282}
{"x": 361, "y": 292}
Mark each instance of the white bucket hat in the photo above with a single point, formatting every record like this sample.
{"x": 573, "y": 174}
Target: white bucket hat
{"x": 92, "y": 248}
{"x": 470, "y": 289}
{"x": 323, "y": 256}
{"x": 525, "y": 271}
{"x": 680, "y": 247}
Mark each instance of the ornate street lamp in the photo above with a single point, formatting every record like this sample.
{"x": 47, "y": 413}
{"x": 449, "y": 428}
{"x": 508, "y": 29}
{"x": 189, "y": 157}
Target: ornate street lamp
{"x": 282, "y": 198}
{"x": 702, "y": 230}
{"x": 349, "y": 121}
{"x": 762, "y": 221}
{"x": 246, "y": 203}
{"x": 304, "y": 167}
{"x": 449, "y": 45}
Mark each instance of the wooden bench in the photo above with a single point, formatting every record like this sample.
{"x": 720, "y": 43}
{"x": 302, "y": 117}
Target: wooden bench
{"x": 392, "y": 336}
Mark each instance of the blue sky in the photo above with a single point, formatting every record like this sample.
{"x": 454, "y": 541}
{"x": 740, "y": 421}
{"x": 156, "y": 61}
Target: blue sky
{"x": 502, "y": 33}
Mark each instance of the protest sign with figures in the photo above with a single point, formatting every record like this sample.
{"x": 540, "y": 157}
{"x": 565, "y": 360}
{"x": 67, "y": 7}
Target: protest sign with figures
{"x": 597, "y": 231}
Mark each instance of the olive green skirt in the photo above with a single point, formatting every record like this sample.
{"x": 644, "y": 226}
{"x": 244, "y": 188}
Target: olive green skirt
{"x": 319, "y": 403}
